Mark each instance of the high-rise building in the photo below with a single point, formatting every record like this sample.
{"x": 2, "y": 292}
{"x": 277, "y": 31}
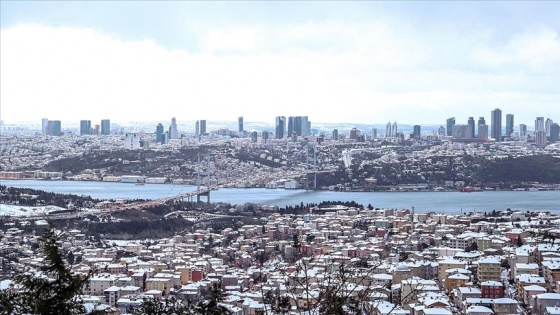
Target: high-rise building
{"x": 54, "y": 128}
{"x": 85, "y": 127}
{"x": 374, "y": 133}
{"x": 450, "y": 123}
{"x": 483, "y": 132}
{"x": 539, "y": 124}
{"x": 132, "y": 141}
{"x": 197, "y": 128}
{"x": 547, "y": 125}
{"x": 254, "y": 136}
{"x": 280, "y": 127}
{"x": 523, "y": 132}
{"x": 416, "y": 132}
{"x": 173, "y": 132}
{"x": 540, "y": 138}
{"x": 471, "y": 123}
{"x": 265, "y": 136}
{"x": 96, "y": 130}
{"x": 481, "y": 121}
{"x": 202, "y": 127}
{"x": 394, "y": 130}
{"x": 159, "y": 134}
{"x": 496, "y": 125}
{"x": 240, "y": 124}
{"x": 388, "y": 130}
{"x": 105, "y": 127}
{"x": 441, "y": 131}
{"x": 509, "y": 125}
{"x": 44, "y": 124}
{"x": 354, "y": 133}
{"x": 554, "y": 132}
{"x": 335, "y": 134}
{"x": 461, "y": 131}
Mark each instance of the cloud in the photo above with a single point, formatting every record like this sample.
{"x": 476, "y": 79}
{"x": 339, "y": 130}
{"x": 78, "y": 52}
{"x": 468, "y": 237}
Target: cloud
{"x": 368, "y": 72}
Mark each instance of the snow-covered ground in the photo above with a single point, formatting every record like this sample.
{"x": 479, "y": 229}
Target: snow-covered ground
{"x": 22, "y": 211}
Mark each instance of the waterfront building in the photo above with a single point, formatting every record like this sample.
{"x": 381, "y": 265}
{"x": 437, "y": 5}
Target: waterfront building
{"x": 85, "y": 127}
{"x": 105, "y": 127}
{"x": 496, "y": 125}
{"x": 450, "y": 123}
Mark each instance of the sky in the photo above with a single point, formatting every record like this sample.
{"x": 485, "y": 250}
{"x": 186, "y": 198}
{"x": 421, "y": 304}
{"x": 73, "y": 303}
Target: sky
{"x": 336, "y": 62}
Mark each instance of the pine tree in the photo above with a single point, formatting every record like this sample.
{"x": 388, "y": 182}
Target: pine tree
{"x": 52, "y": 290}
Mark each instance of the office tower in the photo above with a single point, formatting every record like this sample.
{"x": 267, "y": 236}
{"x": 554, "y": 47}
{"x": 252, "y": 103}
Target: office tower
{"x": 280, "y": 127}
{"x": 483, "y": 132}
{"x": 554, "y": 132}
{"x": 54, "y": 128}
{"x": 416, "y": 133}
{"x": 240, "y": 124}
{"x": 159, "y": 134}
{"x": 105, "y": 127}
{"x": 388, "y": 130}
{"x": 290, "y": 125}
{"x": 540, "y": 138}
{"x": 461, "y": 131}
{"x": 265, "y": 136}
{"x": 509, "y": 125}
{"x": 450, "y": 123}
{"x": 471, "y": 123}
{"x": 481, "y": 121}
{"x": 441, "y": 131}
{"x": 254, "y": 136}
{"x": 44, "y": 124}
{"x": 547, "y": 125}
{"x": 202, "y": 127}
{"x": 394, "y": 130}
{"x": 197, "y": 128}
{"x": 85, "y": 127}
{"x": 173, "y": 132}
{"x": 354, "y": 133}
{"x": 523, "y": 132}
{"x": 294, "y": 136}
{"x": 496, "y": 125}
{"x": 374, "y": 133}
{"x": 539, "y": 124}
{"x": 305, "y": 126}
{"x": 335, "y": 134}
{"x": 96, "y": 130}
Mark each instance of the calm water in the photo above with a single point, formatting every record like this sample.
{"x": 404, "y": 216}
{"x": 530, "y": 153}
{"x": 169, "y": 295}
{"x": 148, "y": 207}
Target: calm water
{"x": 446, "y": 202}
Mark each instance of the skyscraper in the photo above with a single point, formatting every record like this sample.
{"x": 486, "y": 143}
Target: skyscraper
{"x": 471, "y": 124}
{"x": 496, "y": 124}
{"x": 159, "y": 134}
{"x": 450, "y": 123}
{"x": 240, "y": 124}
{"x": 105, "y": 127}
{"x": 416, "y": 133}
{"x": 265, "y": 136}
{"x": 85, "y": 127}
{"x": 483, "y": 132}
{"x": 54, "y": 128}
{"x": 173, "y": 132}
{"x": 509, "y": 125}
{"x": 280, "y": 127}
{"x": 547, "y": 125}
{"x": 394, "y": 130}
{"x": 203, "y": 127}
{"x": 197, "y": 128}
{"x": 44, "y": 124}
{"x": 554, "y": 132}
{"x": 539, "y": 124}
{"x": 335, "y": 134}
{"x": 523, "y": 132}
{"x": 388, "y": 130}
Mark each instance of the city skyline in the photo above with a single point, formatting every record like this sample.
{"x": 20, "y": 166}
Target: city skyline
{"x": 334, "y": 62}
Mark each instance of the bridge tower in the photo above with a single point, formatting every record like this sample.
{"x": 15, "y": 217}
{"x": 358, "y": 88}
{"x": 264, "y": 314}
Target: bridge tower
{"x": 199, "y": 182}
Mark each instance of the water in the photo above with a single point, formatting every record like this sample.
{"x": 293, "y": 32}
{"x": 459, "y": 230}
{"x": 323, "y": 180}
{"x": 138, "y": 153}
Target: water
{"x": 445, "y": 202}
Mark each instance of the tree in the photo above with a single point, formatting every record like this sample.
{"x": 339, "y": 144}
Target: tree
{"x": 70, "y": 258}
{"x": 52, "y": 290}
{"x": 212, "y": 305}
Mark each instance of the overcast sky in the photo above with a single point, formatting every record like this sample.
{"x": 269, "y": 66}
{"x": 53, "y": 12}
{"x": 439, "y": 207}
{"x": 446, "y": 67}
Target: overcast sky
{"x": 363, "y": 62}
